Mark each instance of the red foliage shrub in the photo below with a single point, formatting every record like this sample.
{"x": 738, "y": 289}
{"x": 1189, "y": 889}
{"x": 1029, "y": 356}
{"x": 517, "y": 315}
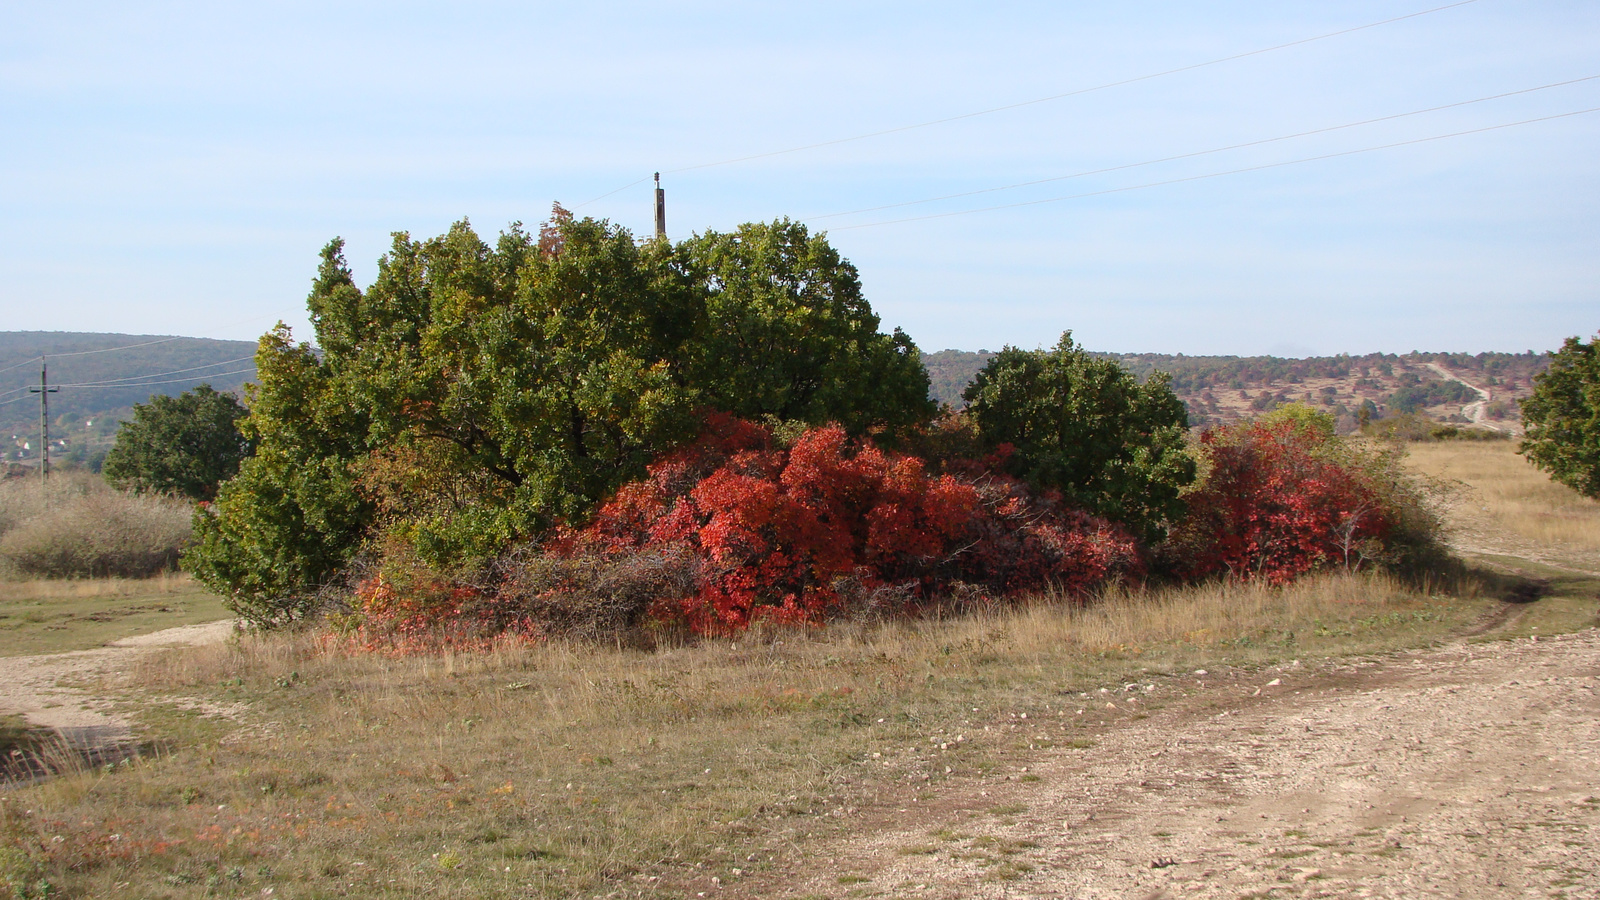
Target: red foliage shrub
{"x": 427, "y": 614}
{"x": 794, "y": 535}
{"x": 733, "y": 529}
{"x": 1282, "y": 497}
{"x": 400, "y": 605}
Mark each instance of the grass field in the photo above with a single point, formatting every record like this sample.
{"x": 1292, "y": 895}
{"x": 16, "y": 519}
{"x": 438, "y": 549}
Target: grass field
{"x": 570, "y": 770}
{"x": 1508, "y": 491}
{"x": 50, "y": 616}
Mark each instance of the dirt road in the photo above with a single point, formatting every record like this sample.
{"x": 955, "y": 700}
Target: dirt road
{"x": 49, "y": 690}
{"x": 1467, "y": 771}
{"x": 1477, "y": 410}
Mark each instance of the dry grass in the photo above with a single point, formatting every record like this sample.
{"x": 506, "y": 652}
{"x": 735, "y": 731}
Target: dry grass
{"x": 1503, "y": 491}
{"x": 160, "y": 585}
{"x": 78, "y": 526}
{"x": 570, "y": 770}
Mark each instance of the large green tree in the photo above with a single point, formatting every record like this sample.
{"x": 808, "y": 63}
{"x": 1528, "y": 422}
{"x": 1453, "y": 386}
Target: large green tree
{"x": 474, "y": 395}
{"x": 1563, "y": 417}
{"x": 293, "y": 515}
{"x": 787, "y": 333}
{"x": 188, "y": 444}
{"x": 1086, "y": 427}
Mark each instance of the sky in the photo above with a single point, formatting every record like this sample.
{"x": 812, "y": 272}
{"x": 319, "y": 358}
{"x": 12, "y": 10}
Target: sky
{"x": 172, "y": 168}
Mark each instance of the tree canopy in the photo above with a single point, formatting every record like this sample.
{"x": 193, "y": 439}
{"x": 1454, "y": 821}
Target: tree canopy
{"x": 1563, "y": 417}
{"x": 188, "y": 444}
{"x": 788, "y": 334}
{"x": 475, "y": 394}
{"x": 1085, "y": 426}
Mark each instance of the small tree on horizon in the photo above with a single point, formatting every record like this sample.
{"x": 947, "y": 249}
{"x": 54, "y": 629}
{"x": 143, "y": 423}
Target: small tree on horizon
{"x": 1086, "y": 427}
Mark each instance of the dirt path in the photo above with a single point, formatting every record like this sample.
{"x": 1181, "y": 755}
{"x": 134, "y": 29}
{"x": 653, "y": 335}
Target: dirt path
{"x": 1471, "y": 770}
{"x": 1477, "y": 410}
{"x": 49, "y": 692}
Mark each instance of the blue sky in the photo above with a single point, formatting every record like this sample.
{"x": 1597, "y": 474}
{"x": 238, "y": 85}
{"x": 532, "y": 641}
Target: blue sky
{"x": 174, "y": 168}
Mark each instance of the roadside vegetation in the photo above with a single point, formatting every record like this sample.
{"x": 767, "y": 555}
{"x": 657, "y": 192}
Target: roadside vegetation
{"x": 1563, "y": 417}
{"x": 562, "y": 768}
{"x": 285, "y": 760}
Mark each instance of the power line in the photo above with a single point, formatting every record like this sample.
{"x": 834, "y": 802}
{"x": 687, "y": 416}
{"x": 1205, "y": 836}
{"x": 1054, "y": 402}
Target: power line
{"x": 1078, "y": 92}
{"x": 137, "y": 380}
{"x": 114, "y": 349}
{"x": 1170, "y": 181}
{"x": 1164, "y": 159}
{"x": 140, "y": 384}
{"x": 113, "y": 382}
{"x": 172, "y": 381}
{"x": 27, "y": 362}
{"x": 609, "y": 193}
{"x": 31, "y": 359}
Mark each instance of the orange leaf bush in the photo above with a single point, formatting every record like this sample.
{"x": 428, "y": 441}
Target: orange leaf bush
{"x": 806, "y": 533}
{"x": 733, "y": 529}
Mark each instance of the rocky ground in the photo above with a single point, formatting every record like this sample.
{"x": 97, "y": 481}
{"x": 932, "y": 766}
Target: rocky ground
{"x": 1471, "y": 770}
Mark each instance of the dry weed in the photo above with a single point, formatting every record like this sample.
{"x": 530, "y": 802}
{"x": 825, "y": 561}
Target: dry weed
{"x": 160, "y": 584}
{"x": 77, "y": 526}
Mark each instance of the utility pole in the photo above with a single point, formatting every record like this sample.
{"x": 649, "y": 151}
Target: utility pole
{"x": 661, "y": 209}
{"x": 44, "y": 390}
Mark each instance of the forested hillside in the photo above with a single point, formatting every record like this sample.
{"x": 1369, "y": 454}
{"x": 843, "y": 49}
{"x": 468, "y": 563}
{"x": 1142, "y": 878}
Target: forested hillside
{"x": 1220, "y": 389}
{"x": 99, "y": 377}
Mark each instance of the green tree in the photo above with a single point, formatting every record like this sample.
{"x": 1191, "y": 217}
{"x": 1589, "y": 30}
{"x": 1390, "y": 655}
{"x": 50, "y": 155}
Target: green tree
{"x": 293, "y": 516}
{"x": 474, "y": 396}
{"x": 188, "y": 444}
{"x": 1086, "y": 427}
{"x": 1563, "y": 417}
{"x": 786, "y": 333}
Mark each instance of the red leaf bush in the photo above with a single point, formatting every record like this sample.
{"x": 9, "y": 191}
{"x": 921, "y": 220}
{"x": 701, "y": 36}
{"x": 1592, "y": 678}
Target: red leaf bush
{"x": 1281, "y": 496}
{"x": 805, "y": 533}
{"x": 419, "y": 612}
{"x": 735, "y": 529}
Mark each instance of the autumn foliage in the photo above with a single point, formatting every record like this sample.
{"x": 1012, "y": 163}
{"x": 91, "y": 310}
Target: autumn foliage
{"x": 1282, "y": 496}
{"x": 733, "y": 529}
{"x": 801, "y": 534}
{"x": 738, "y": 527}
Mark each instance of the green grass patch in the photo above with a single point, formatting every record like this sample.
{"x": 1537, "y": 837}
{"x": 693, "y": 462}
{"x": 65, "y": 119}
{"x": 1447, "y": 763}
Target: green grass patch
{"x": 55, "y": 616}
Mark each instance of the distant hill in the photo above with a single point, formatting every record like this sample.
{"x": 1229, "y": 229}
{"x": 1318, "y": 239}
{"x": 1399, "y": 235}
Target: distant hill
{"x": 1447, "y": 387}
{"x": 100, "y": 377}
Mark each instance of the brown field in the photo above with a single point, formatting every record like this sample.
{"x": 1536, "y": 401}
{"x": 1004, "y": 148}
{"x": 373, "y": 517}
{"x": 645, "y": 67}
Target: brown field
{"x": 1501, "y": 504}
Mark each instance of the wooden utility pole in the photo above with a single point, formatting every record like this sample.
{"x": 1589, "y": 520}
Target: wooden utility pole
{"x": 44, "y": 390}
{"x": 661, "y": 209}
